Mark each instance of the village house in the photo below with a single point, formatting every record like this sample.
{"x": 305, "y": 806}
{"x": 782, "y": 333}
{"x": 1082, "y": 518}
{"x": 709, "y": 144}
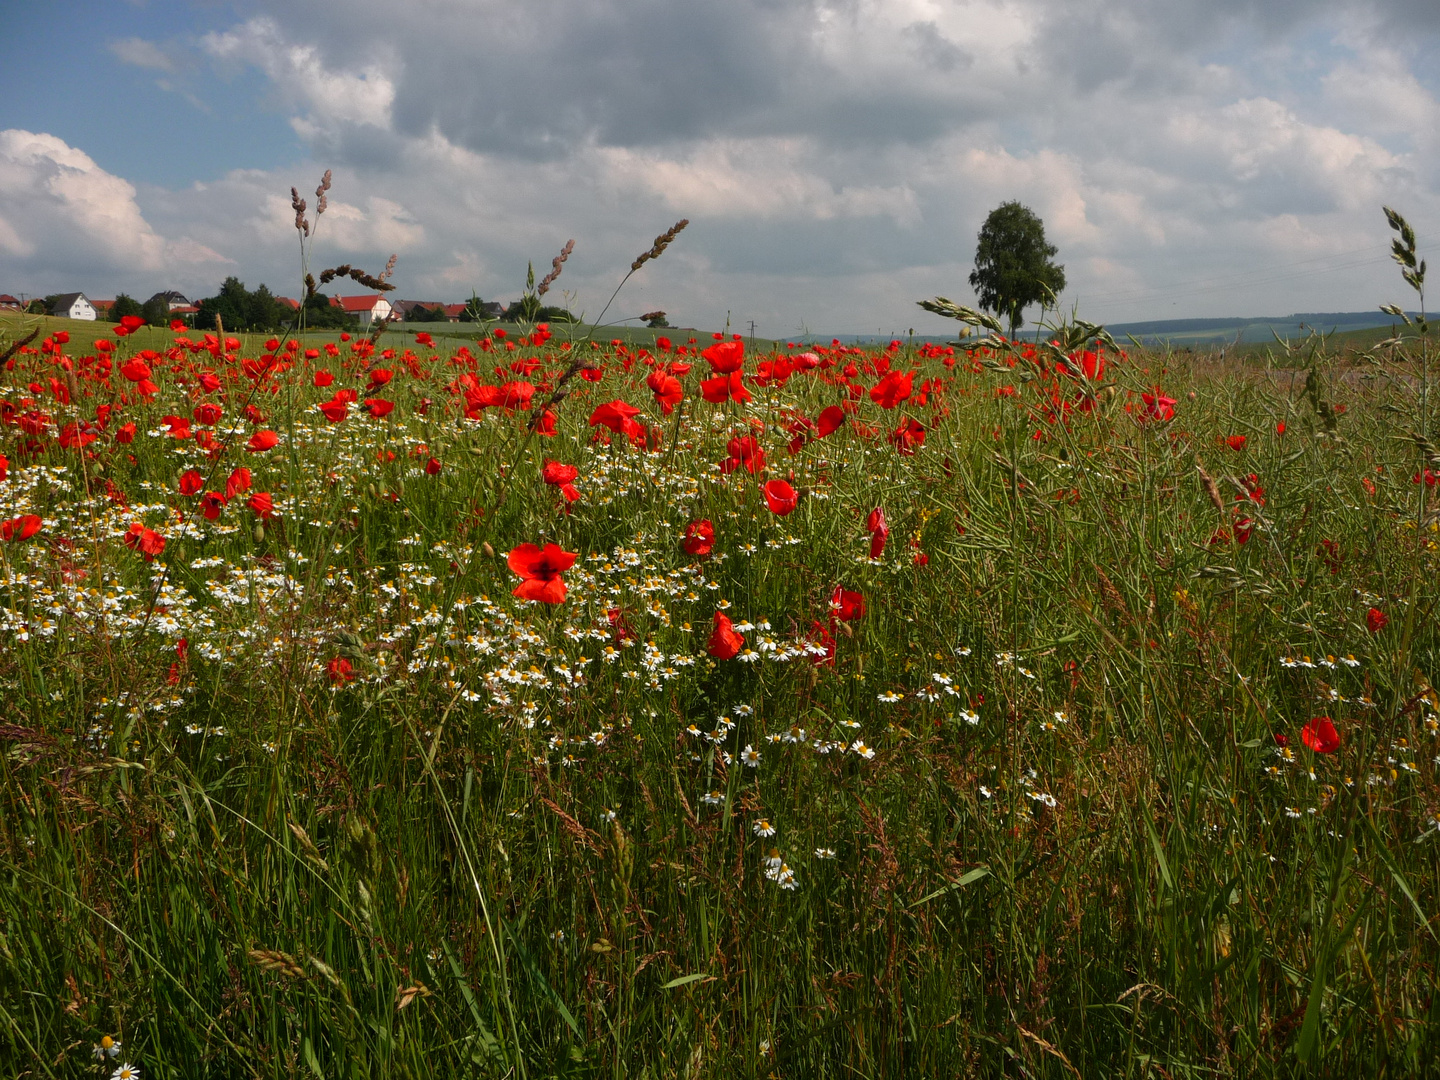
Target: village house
{"x": 10, "y": 303}
{"x": 173, "y": 300}
{"x": 73, "y": 306}
{"x": 364, "y": 309}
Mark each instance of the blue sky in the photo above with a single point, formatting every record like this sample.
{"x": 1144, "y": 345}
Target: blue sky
{"x": 835, "y": 157}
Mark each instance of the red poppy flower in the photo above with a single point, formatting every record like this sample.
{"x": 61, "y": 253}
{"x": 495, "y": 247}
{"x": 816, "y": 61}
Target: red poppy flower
{"x": 379, "y": 407}
{"x": 147, "y": 542}
{"x": 4, "y": 466}
{"x": 1158, "y": 406}
{"x": 908, "y": 436}
{"x": 380, "y": 376}
{"x": 891, "y": 390}
{"x": 211, "y": 503}
{"x": 725, "y": 643}
{"x": 179, "y": 426}
{"x": 829, "y": 420}
{"x": 191, "y": 482}
{"x": 135, "y": 369}
{"x": 432, "y": 467}
{"x": 557, "y": 474}
{"x": 1376, "y": 620}
{"x": 131, "y": 323}
{"x": 743, "y": 450}
{"x": 238, "y": 483}
{"x": 335, "y": 410}
{"x": 207, "y": 413}
{"x": 723, "y": 388}
{"x": 262, "y": 504}
{"x": 541, "y": 569}
{"x": 780, "y": 497}
{"x": 262, "y": 441}
{"x": 1243, "y": 528}
{"x": 666, "y": 389}
{"x": 879, "y": 532}
{"x": 616, "y": 415}
{"x": 1320, "y": 735}
{"x": 821, "y": 638}
{"x": 1092, "y": 364}
{"x": 546, "y": 426}
{"x": 125, "y": 433}
{"x": 340, "y": 670}
{"x": 725, "y": 357}
{"x": 847, "y": 605}
{"x": 20, "y": 528}
{"x": 323, "y": 378}
{"x": 516, "y": 395}
{"x": 1236, "y": 442}
{"x": 699, "y": 538}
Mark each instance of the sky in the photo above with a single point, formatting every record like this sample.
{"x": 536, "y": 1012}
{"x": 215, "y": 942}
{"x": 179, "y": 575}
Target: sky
{"x": 835, "y": 158}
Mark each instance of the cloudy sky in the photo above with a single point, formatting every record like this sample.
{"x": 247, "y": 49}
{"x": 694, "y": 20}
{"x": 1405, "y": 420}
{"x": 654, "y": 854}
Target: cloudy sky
{"x": 835, "y": 157}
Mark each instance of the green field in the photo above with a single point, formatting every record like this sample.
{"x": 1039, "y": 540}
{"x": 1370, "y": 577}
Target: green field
{"x": 1108, "y": 747}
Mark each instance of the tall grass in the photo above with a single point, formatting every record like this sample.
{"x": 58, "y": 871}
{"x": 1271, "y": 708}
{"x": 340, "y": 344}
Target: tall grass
{"x": 1091, "y": 839}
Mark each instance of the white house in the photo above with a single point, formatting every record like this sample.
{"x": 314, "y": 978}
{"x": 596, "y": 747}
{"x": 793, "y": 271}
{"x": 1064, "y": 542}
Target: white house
{"x": 365, "y": 309}
{"x": 73, "y": 305}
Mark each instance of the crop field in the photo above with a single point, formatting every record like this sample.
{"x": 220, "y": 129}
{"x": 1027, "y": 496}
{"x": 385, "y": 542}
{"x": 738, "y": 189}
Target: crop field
{"x": 520, "y": 705}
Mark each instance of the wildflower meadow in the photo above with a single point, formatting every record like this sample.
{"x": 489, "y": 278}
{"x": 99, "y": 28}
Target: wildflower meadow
{"x": 541, "y": 703}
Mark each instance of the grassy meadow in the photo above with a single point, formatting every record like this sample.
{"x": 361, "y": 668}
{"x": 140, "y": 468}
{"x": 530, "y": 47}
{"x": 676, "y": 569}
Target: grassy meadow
{"x": 904, "y": 711}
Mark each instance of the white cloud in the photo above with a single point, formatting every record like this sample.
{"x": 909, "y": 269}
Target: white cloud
{"x": 143, "y": 54}
{"x": 65, "y": 218}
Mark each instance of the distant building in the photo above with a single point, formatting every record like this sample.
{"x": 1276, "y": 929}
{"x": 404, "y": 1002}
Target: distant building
{"x": 454, "y": 311}
{"x": 173, "y": 300}
{"x": 364, "y": 309}
{"x": 10, "y": 303}
{"x": 102, "y": 308}
{"x": 403, "y": 308}
{"x": 292, "y": 304}
{"x": 73, "y": 305}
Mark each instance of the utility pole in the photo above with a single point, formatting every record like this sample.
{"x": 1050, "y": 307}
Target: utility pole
{"x": 752, "y": 333}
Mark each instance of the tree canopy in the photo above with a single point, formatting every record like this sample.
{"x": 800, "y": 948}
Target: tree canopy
{"x": 124, "y": 304}
{"x": 1013, "y": 267}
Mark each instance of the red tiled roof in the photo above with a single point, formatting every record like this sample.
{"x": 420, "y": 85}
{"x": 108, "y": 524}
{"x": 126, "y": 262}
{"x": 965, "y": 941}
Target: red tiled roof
{"x": 293, "y": 305}
{"x": 6, "y": 298}
{"x": 355, "y": 304}
{"x": 452, "y": 311}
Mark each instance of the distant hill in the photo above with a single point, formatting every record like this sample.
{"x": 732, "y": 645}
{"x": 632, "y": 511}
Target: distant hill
{"x": 1244, "y": 331}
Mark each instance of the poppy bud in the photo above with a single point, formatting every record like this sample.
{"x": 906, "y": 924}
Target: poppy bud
{"x": 258, "y": 533}
{"x": 487, "y": 550}
{"x": 400, "y": 487}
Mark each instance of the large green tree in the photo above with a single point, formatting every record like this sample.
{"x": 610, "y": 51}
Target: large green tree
{"x": 124, "y": 304}
{"x": 1013, "y": 264}
{"x": 156, "y": 311}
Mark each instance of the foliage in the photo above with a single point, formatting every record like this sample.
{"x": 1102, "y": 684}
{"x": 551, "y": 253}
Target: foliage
{"x": 123, "y": 305}
{"x": 419, "y": 313}
{"x": 1013, "y": 264}
{"x": 156, "y": 311}
{"x": 241, "y": 309}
